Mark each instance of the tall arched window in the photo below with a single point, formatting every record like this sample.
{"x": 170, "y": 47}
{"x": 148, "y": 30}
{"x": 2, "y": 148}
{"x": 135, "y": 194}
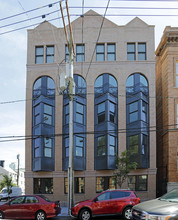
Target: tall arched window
{"x": 43, "y": 127}
{"x": 137, "y": 100}
{"x": 79, "y": 116}
{"x": 106, "y": 122}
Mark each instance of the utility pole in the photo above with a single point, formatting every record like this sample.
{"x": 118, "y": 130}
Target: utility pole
{"x": 18, "y": 159}
{"x": 70, "y": 80}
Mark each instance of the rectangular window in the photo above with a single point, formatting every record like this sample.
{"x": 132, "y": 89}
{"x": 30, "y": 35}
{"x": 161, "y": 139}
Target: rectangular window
{"x": 141, "y": 51}
{"x": 37, "y": 144}
{"x": 176, "y": 73}
{"x": 47, "y": 147}
{"x": 112, "y": 145}
{"x": 43, "y": 185}
{"x": 101, "y": 146}
{"x": 134, "y": 144}
{"x": 66, "y": 110}
{"x": 79, "y": 113}
{"x": 138, "y": 183}
{"x": 101, "y": 112}
{"x": 66, "y": 142}
{"x": 100, "y": 52}
{"x": 37, "y": 115}
{"x": 66, "y": 53}
{"x": 79, "y": 146}
{"x": 177, "y": 116}
{"x": 133, "y": 112}
{"x": 111, "y": 52}
{"x": 47, "y": 115}
{"x": 39, "y": 54}
{"x": 144, "y": 111}
{"x": 131, "y": 52}
{"x": 49, "y": 54}
{"x": 79, "y": 185}
{"x": 112, "y": 112}
{"x": 80, "y": 52}
{"x": 144, "y": 142}
{"x": 104, "y": 183}
{"x": 66, "y": 185}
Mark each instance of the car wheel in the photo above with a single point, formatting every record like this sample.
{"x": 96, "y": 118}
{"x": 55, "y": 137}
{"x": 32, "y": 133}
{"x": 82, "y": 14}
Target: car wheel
{"x": 85, "y": 214}
{"x": 1, "y": 215}
{"x": 127, "y": 213}
{"x": 40, "y": 215}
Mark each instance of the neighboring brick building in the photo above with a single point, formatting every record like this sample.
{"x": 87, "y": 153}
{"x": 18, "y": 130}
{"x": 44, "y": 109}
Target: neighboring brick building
{"x": 113, "y": 110}
{"x": 167, "y": 110}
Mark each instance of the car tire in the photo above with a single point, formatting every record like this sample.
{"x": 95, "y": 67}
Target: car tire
{"x": 40, "y": 215}
{"x": 127, "y": 213}
{"x": 1, "y": 215}
{"x": 85, "y": 214}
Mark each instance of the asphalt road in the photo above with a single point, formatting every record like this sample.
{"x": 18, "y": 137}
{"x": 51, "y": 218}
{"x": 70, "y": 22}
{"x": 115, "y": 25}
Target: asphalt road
{"x": 97, "y": 218}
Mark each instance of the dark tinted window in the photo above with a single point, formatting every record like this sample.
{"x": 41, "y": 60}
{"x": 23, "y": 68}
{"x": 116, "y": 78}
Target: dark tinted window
{"x": 104, "y": 196}
{"x": 119, "y": 194}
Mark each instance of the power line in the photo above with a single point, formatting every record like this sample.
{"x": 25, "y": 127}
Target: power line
{"x": 44, "y": 6}
{"x": 118, "y": 131}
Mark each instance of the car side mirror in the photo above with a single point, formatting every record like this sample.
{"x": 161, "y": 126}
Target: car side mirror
{"x": 96, "y": 199}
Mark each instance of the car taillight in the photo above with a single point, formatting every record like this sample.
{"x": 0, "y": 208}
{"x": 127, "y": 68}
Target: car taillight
{"x": 53, "y": 205}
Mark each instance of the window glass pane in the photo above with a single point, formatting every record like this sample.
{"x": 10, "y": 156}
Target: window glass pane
{"x": 48, "y": 152}
{"x": 101, "y": 107}
{"x": 133, "y": 117}
{"x": 141, "y": 47}
{"x": 112, "y": 183}
{"x": 47, "y": 119}
{"x": 39, "y": 60}
{"x": 79, "y": 108}
{"x": 99, "y": 184}
{"x": 130, "y": 57}
{"x": 100, "y": 48}
{"x": 134, "y": 144}
{"x": 80, "y": 53}
{"x": 100, "y": 57}
{"x": 104, "y": 196}
{"x": 79, "y": 151}
{"x": 133, "y": 107}
{"x": 67, "y": 152}
{"x": 50, "y": 50}
{"x": 48, "y": 142}
{"x": 79, "y": 141}
{"x": 130, "y": 81}
{"x": 112, "y": 81}
{"x": 50, "y": 83}
{"x": 48, "y": 109}
{"x": 141, "y": 56}
{"x": 141, "y": 183}
{"x": 143, "y": 81}
{"x": 80, "y": 49}
{"x": 37, "y": 152}
{"x": 43, "y": 185}
{"x": 101, "y": 146}
{"x": 176, "y": 81}
{"x": 111, "y": 57}
{"x": 79, "y": 118}
{"x": 99, "y": 82}
{"x": 39, "y": 50}
{"x": 80, "y": 58}
{"x": 131, "y": 47}
{"x": 111, "y": 48}
{"x": 112, "y": 140}
{"x": 65, "y": 185}
{"x": 37, "y": 84}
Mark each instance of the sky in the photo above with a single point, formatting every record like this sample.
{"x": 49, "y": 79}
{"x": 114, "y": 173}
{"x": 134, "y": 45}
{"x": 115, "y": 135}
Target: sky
{"x": 13, "y": 51}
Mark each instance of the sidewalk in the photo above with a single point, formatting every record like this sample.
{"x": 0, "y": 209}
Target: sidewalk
{"x": 64, "y": 214}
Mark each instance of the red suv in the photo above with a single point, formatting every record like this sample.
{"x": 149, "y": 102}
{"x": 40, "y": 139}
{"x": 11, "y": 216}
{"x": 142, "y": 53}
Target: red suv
{"x": 110, "y": 202}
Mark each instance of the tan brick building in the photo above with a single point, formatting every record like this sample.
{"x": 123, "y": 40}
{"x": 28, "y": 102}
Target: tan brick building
{"x": 113, "y": 111}
{"x": 167, "y": 110}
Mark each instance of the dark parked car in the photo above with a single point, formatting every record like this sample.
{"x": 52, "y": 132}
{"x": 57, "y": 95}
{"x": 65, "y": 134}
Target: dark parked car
{"x": 29, "y": 207}
{"x": 110, "y": 202}
{"x": 163, "y": 208}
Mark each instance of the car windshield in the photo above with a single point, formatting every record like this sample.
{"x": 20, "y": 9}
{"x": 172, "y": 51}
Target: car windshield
{"x": 171, "y": 196}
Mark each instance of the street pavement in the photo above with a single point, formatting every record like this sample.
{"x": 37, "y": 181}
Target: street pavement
{"x": 64, "y": 216}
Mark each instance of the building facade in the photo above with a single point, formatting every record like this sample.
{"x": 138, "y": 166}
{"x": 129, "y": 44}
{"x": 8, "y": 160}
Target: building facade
{"x": 167, "y": 110}
{"x": 114, "y": 80}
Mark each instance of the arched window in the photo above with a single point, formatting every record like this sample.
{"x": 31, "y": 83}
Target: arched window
{"x": 79, "y": 119}
{"x": 137, "y": 100}
{"x": 106, "y": 121}
{"x": 43, "y": 128}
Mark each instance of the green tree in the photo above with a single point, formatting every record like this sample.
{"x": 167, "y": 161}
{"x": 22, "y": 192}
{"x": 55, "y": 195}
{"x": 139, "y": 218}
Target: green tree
{"x": 124, "y": 165}
{"x": 6, "y": 182}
